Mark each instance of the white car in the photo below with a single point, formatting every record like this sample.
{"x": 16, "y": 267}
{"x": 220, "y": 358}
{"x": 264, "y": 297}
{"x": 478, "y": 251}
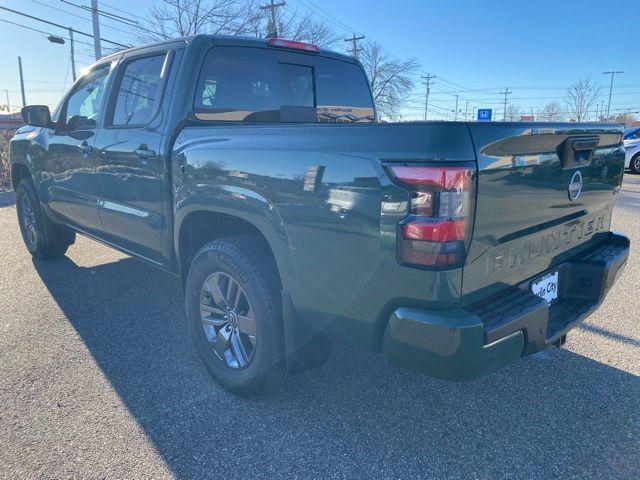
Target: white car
{"x": 632, "y": 149}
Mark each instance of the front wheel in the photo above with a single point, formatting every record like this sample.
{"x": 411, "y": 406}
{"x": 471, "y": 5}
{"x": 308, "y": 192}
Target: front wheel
{"x": 634, "y": 164}
{"x": 43, "y": 238}
{"x": 234, "y": 315}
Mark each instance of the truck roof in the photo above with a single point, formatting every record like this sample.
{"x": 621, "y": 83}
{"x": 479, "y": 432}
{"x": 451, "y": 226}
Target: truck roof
{"x": 229, "y": 40}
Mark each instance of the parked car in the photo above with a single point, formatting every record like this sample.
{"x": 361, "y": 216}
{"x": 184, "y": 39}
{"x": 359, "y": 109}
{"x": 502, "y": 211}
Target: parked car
{"x": 254, "y": 171}
{"x": 632, "y": 149}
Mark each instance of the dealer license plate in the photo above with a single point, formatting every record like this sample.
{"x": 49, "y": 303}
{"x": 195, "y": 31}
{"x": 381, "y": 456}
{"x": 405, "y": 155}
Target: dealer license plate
{"x": 546, "y": 286}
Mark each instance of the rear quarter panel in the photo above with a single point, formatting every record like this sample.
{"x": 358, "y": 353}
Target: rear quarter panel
{"x": 320, "y": 196}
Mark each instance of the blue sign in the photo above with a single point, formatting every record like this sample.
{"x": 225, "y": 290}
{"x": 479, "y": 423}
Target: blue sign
{"x": 485, "y": 114}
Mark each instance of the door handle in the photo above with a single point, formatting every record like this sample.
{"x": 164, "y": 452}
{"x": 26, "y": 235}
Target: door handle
{"x": 144, "y": 153}
{"x": 84, "y": 149}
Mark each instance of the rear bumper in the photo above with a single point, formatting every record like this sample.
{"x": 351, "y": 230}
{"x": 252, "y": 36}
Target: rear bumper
{"x": 466, "y": 343}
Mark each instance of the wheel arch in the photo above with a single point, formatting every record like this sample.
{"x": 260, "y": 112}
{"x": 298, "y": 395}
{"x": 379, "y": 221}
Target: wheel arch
{"x": 19, "y": 171}
{"x": 200, "y": 222}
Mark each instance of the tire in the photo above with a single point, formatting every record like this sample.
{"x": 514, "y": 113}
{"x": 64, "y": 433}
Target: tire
{"x": 634, "y": 164}
{"x": 246, "y": 358}
{"x": 43, "y": 238}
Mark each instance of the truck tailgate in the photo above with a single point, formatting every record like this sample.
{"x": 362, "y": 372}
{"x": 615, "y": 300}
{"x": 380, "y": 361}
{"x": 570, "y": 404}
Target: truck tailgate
{"x": 544, "y": 192}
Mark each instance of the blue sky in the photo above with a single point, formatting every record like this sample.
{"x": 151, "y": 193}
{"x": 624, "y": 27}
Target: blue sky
{"x": 476, "y": 48}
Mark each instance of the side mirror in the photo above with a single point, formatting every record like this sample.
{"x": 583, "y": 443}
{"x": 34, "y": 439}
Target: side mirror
{"x": 37, "y": 115}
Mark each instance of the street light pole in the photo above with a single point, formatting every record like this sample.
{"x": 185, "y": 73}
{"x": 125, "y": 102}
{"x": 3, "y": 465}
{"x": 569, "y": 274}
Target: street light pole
{"x": 24, "y": 99}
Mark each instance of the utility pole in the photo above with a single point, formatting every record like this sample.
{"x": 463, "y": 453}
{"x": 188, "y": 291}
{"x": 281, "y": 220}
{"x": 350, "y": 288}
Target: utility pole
{"x": 24, "y": 98}
{"x": 427, "y": 81}
{"x": 466, "y": 109}
{"x": 506, "y": 94}
{"x": 354, "y": 44}
{"x": 73, "y": 55}
{"x": 272, "y": 26}
{"x": 455, "y": 115}
{"x": 96, "y": 29}
{"x": 613, "y": 74}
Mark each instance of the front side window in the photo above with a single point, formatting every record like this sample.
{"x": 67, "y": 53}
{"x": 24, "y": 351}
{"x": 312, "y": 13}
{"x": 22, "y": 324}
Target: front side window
{"x": 83, "y": 105}
{"x": 139, "y": 91}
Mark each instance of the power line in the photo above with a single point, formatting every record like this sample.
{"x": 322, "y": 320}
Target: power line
{"x": 32, "y": 17}
{"x": 116, "y": 18}
{"x": 39, "y": 31}
{"x": 112, "y": 16}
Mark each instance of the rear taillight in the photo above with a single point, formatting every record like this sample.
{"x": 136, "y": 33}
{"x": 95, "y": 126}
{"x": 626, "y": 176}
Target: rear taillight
{"x": 436, "y": 232}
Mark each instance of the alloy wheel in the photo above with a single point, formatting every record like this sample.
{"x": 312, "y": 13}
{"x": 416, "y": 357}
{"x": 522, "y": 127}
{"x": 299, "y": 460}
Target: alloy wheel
{"x": 228, "y": 320}
{"x": 29, "y": 221}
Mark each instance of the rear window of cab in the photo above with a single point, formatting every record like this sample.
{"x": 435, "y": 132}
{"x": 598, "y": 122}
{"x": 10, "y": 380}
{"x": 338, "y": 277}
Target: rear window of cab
{"x": 243, "y": 84}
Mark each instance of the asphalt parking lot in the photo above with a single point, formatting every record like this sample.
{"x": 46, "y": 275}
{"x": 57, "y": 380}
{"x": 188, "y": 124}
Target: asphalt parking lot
{"x": 98, "y": 379}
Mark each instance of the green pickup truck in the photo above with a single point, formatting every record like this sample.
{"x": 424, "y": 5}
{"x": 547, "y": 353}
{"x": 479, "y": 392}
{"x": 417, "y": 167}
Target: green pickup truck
{"x": 255, "y": 171}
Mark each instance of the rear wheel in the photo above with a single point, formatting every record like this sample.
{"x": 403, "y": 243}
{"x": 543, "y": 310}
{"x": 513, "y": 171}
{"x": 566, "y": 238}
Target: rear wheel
{"x": 43, "y": 238}
{"x": 234, "y": 315}
{"x": 634, "y": 165}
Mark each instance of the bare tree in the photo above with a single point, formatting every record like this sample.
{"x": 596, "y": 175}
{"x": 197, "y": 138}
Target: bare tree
{"x": 513, "y": 113}
{"x": 181, "y": 18}
{"x": 580, "y": 98}
{"x": 307, "y": 28}
{"x": 391, "y": 79}
{"x": 551, "y": 112}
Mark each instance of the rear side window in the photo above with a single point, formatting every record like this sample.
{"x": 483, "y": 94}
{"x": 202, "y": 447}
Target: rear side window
{"x": 250, "y": 85}
{"x": 139, "y": 91}
{"x": 239, "y": 84}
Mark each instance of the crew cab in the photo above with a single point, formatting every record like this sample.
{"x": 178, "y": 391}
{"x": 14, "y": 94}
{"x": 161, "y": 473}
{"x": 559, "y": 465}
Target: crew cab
{"x": 255, "y": 171}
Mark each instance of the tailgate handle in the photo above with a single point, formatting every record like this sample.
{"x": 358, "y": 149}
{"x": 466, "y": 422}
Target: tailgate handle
{"x": 585, "y": 144}
{"x": 577, "y": 151}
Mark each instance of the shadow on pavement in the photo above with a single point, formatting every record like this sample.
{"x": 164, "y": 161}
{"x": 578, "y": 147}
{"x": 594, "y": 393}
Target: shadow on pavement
{"x": 555, "y": 414}
{"x": 7, "y": 198}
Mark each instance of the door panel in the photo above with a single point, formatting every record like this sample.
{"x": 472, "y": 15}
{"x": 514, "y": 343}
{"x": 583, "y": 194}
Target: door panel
{"x": 129, "y": 184}
{"x": 71, "y": 183}
{"x": 129, "y": 163}
{"x": 69, "y": 166}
